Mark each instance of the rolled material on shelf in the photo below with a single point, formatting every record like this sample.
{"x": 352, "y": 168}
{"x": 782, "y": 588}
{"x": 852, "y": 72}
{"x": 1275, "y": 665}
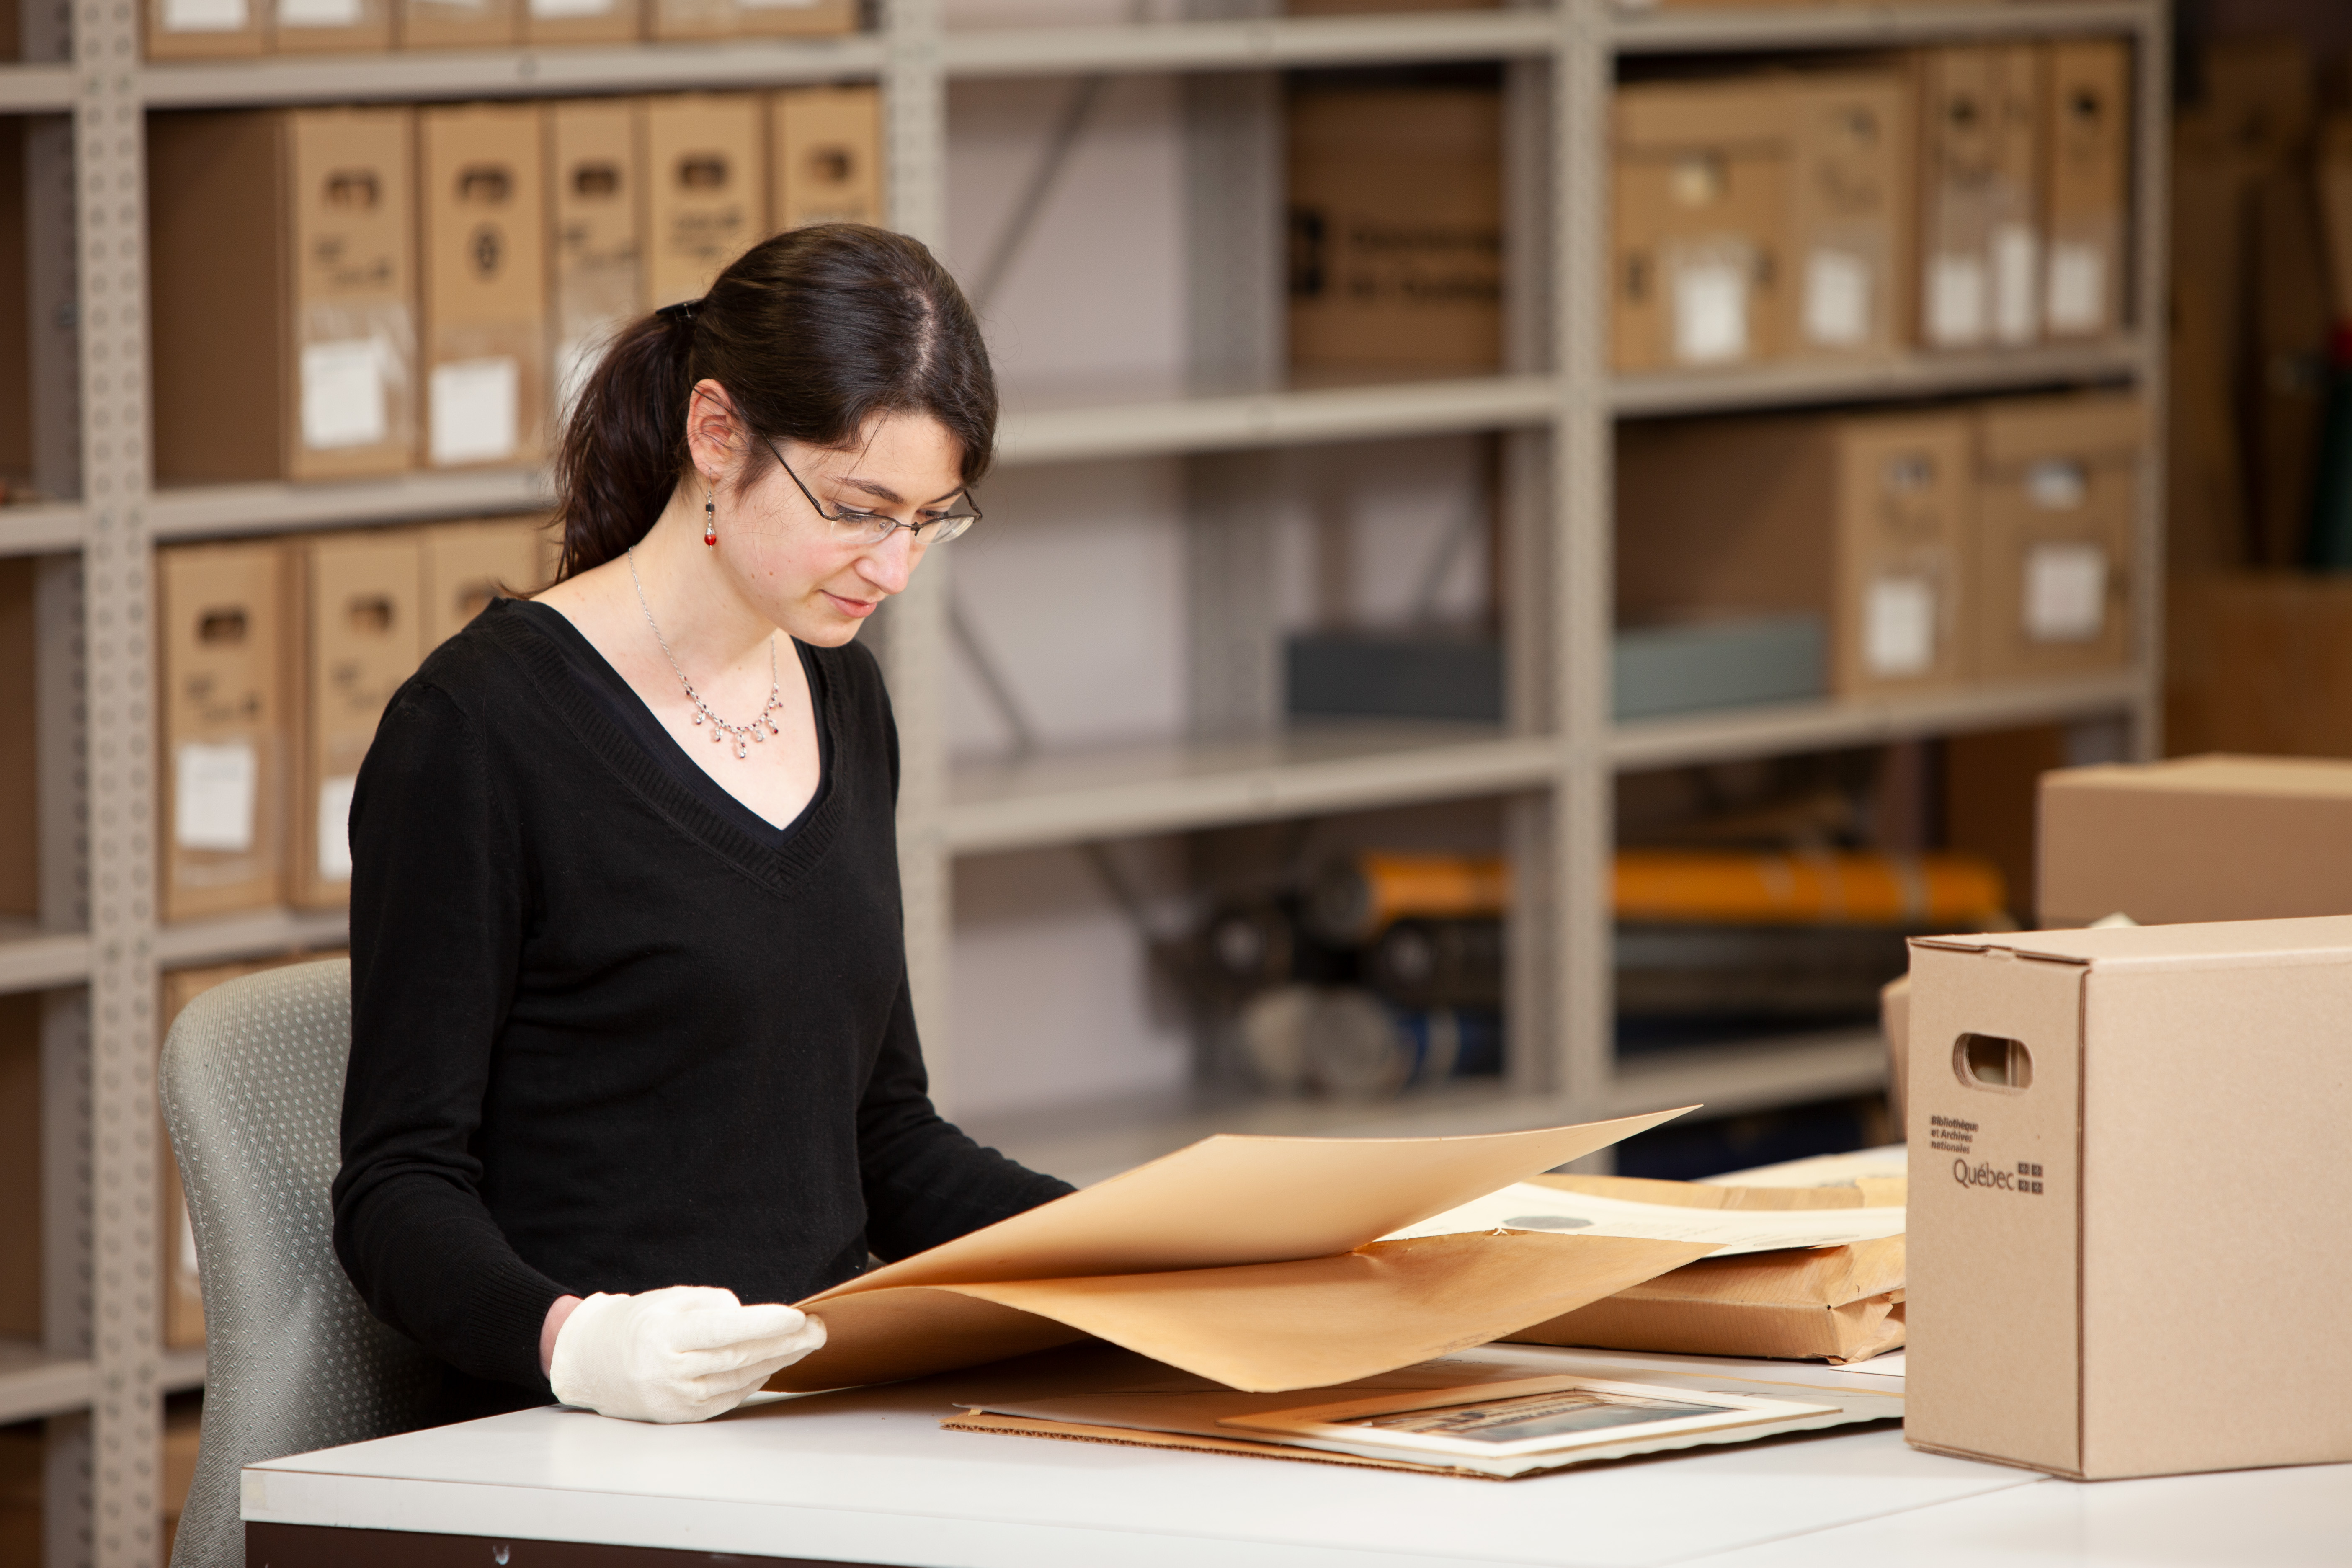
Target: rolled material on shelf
{"x": 1949, "y": 893}
{"x": 1359, "y": 897}
{"x": 1438, "y": 963}
{"x": 1348, "y": 1043}
{"x": 1685, "y": 969}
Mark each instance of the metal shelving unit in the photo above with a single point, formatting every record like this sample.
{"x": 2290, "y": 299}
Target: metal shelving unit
{"x": 96, "y": 953}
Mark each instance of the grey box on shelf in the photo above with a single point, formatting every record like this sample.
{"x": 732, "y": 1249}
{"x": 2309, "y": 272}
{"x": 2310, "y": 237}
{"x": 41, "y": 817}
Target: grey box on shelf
{"x": 1709, "y": 664}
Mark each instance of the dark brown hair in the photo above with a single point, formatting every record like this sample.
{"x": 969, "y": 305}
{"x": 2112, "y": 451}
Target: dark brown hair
{"x": 813, "y": 333}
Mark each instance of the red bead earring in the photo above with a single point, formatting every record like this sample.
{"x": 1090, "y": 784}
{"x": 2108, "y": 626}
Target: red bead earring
{"x": 710, "y": 520}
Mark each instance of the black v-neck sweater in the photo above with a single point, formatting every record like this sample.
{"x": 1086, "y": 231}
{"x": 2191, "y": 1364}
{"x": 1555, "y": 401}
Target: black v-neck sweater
{"x": 609, "y": 1035}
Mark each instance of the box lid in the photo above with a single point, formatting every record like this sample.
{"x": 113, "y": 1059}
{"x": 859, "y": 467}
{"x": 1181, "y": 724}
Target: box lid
{"x": 2306, "y": 778}
{"x": 2322, "y": 938}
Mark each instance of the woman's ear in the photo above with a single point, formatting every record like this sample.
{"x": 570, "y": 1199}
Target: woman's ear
{"x": 713, "y": 432}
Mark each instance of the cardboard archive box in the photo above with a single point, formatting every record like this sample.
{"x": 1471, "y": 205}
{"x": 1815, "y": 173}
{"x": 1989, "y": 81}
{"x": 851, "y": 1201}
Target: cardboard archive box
{"x": 1699, "y": 209}
{"x": 283, "y": 326}
{"x": 459, "y": 23}
{"x": 1865, "y": 519}
{"x": 2196, "y": 839}
{"x": 2086, "y": 140}
{"x": 827, "y": 157}
{"x": 483, "y": 240}
{"x": 362, "y": 635}
{"x": 748, "y": 19}
{"x": 1850, "y": 224}
{"x": 1396, "y": 228}
{"x": 20, "y": 845}
{"x": 2122, "y": 1146}
{"x": 464, "y": 565}
{"x": 331, "y": 26}
{"x": 227, "y": 616}
{"x": 582, "y": 21}
{"x": 705, "y": 168}
{"x": 1979, "y": 196}
{"x": 204, "y": 30}
{"x": 20, "y": 1166}
{"x": 2057, "y": 513}
{"x": 595, "y": 202}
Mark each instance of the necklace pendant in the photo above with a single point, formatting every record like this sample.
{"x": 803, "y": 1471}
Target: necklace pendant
{"x": 698, "y": 718}
{"x": 761, "y": 736}
{"x": 741, "y": 752}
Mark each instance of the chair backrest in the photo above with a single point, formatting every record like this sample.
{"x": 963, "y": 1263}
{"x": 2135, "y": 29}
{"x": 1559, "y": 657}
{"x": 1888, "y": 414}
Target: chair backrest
{"x": 253, "y": 1092}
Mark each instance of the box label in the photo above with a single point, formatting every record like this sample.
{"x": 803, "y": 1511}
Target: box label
{"x": 317, "y": 13}
{"x": 204, "y": 16}
{"x": 550, "y": 10}
{"x": 335, "y": 828}
{"x": 2078, "y": 287}
{"x": 343, "y": 394}
{"x": 214, "y": 788}
{"x": 2025, "y": 1176}
{"x": 1837, "y": 299}
{"x": 2016, "y": 304}
{"x": 1710, "y": 305}
{"x": 475, "y": 403}
{"x": 1956, "y": 298}
{"x": 1898, "y": 633}
{"x": 2066, "y": 593}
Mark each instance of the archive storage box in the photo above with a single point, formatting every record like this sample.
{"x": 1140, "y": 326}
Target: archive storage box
{"x": 2058, "y": 499}
{"x": 359, "y": 596}
{"x": 1699, "y": 189}
{"x": 226, "y": 643}
{"x": 284, "y": 320}
{"x": 2123, "y": 1228}
{"x": 1396, "y": 228}
{"x": 483, "y": 243}
{"x": 595, "y": 199}
{"x": 2087, "y": 167}
{"x": 706, "y": 189}
{"x": 826, "y": 156}
{"x": 331, "y": 26}
{"x": 464, "y": 565}
{"x": 1850, "y": 219}
{"x": 1862, "y": 520}
{"x": 206, "y": 29}
{"x": 1980, "y": 200}
{"x": 459, "y": 23}
{"x": 748, "y": 19}
{"x": 582, "y": 21}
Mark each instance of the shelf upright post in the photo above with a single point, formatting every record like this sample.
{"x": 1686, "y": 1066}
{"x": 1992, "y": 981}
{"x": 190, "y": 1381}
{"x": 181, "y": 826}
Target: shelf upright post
{"x": 2149, "y": 228}
{"x": 914, "y": 646}
{"x": 126, "y": 1339}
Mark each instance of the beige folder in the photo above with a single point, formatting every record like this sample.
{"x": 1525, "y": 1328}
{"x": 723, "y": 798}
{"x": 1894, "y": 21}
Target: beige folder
{"x": 1254, "y": 1261}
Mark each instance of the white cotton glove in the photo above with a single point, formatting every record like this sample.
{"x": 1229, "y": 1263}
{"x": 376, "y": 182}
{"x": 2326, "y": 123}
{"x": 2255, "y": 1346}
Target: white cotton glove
{"x": 684, "y": 1354}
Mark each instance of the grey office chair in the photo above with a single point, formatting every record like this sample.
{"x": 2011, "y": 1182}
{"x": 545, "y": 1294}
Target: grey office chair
{"x": 253, "y": 1093}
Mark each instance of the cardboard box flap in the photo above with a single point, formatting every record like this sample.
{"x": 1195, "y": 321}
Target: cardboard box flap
{"x": 2319, "y": 938}
{"x": 2022, "y": 430}
{"x": 1228, "y": 1201}
{"x": 2297, "y": 778}
{"x": 1665, "y": 117}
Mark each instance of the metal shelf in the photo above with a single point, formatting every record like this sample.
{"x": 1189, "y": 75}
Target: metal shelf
{"x": 1751, "y": 1074}
{"x": 41, "y": 528}
{"x": 37, "y": 88}
{"x": 1266, "y": 43}
{"x": 420, "y": 76}
{"x": 263, "y": 935}
{"x": 1760, "y": 732}
{"x": 1796, "y": 383}
{"x": 1068, "y": 798}
{"x": 1636, "y": 30}
{"x": 36, "y": 960}
{"x": 1276, "y": 419}
{"x": 220, "y": 511}
{"x": 33, "y": 1384}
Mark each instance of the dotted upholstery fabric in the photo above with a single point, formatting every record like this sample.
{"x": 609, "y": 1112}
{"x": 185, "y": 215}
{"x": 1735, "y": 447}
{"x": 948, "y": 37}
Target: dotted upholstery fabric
{"x": 252, "y": 1083}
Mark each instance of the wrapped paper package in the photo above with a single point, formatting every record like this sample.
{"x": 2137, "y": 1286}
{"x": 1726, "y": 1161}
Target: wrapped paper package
{"x": 1255, "y": 1262}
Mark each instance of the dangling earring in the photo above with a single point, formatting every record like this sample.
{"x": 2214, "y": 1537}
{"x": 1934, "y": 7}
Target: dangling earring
{"x": 710, "y": 520}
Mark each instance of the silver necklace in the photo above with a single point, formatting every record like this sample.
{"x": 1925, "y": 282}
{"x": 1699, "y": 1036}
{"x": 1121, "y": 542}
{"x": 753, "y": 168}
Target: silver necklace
{"x": 759, "y": 729}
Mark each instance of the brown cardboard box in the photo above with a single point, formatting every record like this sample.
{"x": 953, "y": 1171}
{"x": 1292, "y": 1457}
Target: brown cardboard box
{"x": 20, "y": 1166}
{"x": 1981, "y": 242}
{"x": 748, "y": 19}
{"x": 226, "y": 640}
{"x": 2058, "y": 501}
{"x": 20, "y": 844}
{"x": 360, "y": 596}
{"x": 1396, "y": 228}
{"x": 284, "y": 329}
{"x": 2197, "y": 840}
{"x": 1862, "y": 520}
{"x": 706, "y": 189}
{"x": 595, "y": 193}
{"x": 459, "y": 23}
{"x": 582, "y": 21}
{"x": 1698, "y": 223}
{"x": 483, "y": 239}
{"x": 467, "y": 565}
{"x": 206, "y": 29}
{"x": 1851, "y": 225}
{"x": 331, "y": 27}
{"x": 2120, "y": 1149}
{"x": 2087, "y": 138}
{"x": 826, "y": 159}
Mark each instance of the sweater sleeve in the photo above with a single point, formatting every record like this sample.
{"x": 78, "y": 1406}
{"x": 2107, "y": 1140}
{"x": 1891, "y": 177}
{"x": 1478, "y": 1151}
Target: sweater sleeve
{"x": 437, "y": 918}
{"x": 925, "y": 1180}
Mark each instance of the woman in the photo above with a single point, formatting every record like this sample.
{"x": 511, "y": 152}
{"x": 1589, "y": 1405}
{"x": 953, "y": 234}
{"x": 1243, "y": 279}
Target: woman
{"x": 632, "y": 1044}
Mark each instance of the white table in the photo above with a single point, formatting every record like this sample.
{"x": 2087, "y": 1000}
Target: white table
{"x": 870, "y": 1477}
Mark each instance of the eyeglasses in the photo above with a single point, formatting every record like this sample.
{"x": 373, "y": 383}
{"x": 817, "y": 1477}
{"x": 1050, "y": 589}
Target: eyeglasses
{"x": 871, "y": 528}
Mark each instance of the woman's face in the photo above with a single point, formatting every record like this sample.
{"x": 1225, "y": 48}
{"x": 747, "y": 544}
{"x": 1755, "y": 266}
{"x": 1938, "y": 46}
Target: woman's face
{"x": 817, "y": 581}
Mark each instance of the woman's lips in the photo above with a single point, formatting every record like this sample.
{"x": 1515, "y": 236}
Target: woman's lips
{"x": 855, "y": 609}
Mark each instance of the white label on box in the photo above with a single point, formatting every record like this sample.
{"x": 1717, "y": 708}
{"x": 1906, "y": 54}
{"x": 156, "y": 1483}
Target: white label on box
{"x": 1837, "y": 299}
{"x": 335, "y": 829}
{"x": 548, "y": 10}
{"x": 775, "y": 5}
{"x": 2066, "y": 593}
{"x": 317, "y": 13}
{"x": 214, "y": 788}
{"x": 477, "y": 404}
{"x": 1711, "y": 310}
{"x": 204, "y": 16}
{"x": 2016, "y": 279}
{"x": 2078, "y": 287}
{"x": 2057, "y": 484}
{"x": 1898, "y": 626}
{"x": 343, "y": 395}
{"x": 1956, "y": 299}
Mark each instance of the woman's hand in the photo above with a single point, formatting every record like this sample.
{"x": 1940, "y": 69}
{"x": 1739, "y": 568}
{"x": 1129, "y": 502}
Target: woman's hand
{"x": 684, "y": 1354}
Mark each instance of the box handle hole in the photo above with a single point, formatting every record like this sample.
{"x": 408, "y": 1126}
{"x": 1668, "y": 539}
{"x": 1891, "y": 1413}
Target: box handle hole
{"x": 1988, "y": 1061}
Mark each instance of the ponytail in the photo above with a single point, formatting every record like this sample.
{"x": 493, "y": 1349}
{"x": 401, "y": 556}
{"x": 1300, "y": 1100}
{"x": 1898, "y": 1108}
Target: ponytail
{"x": 813, "y": 333}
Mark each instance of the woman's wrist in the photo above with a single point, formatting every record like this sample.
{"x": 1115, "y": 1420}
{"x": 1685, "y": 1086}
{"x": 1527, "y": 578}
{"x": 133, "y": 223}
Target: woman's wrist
{"x": 553, "y": 1326}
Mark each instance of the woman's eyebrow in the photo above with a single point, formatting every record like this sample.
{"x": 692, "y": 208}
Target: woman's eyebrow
{"x": 883, "y": 492}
